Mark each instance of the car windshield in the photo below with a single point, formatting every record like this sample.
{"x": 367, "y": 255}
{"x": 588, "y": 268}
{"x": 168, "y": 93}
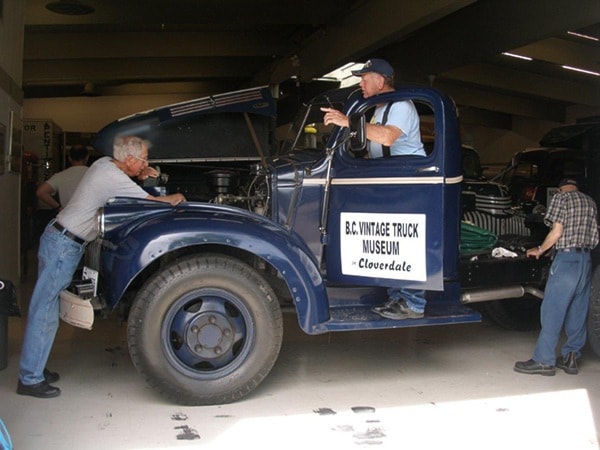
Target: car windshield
{"x": 307, "y": 131}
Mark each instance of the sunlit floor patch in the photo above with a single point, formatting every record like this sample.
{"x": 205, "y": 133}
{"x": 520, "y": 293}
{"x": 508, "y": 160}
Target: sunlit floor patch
{"x": 555, "y": 420}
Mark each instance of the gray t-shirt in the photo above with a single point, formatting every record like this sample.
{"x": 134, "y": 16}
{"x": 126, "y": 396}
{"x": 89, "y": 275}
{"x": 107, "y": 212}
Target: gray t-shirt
{"x": 66, "y": 181}
{"x": 102, "y": 181}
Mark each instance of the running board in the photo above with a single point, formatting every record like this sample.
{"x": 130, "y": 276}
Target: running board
{"x": 362, "y": 318}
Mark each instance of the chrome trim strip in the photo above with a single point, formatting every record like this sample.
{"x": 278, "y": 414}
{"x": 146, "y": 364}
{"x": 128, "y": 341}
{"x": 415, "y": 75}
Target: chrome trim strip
{"x": 383, "y": 180}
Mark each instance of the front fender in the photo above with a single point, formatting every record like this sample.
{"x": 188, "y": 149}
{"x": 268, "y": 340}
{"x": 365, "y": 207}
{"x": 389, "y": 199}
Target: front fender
{"x": 128, "y": 253}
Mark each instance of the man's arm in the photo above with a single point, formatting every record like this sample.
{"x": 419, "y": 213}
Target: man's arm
{"x": 382, "y": 134}
{"x": 173, "y": 199}
{"x": 551, "y": 238}
{"x": 45, "y": 192}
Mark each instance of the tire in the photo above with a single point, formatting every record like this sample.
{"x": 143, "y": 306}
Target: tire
{"x": 593, "y": 324}
{"x": 205, "y": 330}
{"x": 519, "y": 314}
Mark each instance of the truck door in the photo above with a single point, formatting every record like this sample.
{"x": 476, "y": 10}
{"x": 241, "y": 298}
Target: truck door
{"x": 386, "y": 216}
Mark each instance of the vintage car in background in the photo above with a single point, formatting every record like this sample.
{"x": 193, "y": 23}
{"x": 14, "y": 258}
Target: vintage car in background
{"x": 532, "y": 175}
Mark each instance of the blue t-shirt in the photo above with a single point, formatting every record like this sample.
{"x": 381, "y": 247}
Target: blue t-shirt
{"x": 402, "y": 115}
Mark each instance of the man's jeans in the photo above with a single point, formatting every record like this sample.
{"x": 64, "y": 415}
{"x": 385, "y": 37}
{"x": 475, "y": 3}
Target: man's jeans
{"x": 566, "y": 301}
{"x": 58, "y": 257}
{"x": 415, "y": 299}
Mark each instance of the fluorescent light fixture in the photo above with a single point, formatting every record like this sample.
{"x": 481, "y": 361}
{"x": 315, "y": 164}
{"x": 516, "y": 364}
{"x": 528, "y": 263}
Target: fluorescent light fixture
{"x": 583, "y": 36}
{"x": 514, "y": 55}
{"x": 577, "y": 69}
{"x": 344, "y": 74}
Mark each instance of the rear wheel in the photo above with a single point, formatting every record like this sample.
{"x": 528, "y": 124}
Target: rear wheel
{"x": 519, "y": 314}
{"x": 205, "y": 330}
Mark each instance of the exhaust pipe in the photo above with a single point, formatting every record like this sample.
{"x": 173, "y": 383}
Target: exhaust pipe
{"x": 486, "y": 295}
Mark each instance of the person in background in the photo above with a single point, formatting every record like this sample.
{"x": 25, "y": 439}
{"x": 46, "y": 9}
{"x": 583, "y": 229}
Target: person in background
{"x": 572, "y": 216}
{"x": 61, "y": 246}
{"x": 65, "y": 182}
{"x": 393, "y": 130}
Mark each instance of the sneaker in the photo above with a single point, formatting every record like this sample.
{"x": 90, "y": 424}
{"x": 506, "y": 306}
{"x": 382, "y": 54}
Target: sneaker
{"x": 378, "y": 308}
{"x": 400, "y": 311}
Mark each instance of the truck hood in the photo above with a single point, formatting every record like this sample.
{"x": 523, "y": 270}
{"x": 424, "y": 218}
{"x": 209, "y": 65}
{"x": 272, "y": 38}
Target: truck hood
{"x": 233, "y": 124}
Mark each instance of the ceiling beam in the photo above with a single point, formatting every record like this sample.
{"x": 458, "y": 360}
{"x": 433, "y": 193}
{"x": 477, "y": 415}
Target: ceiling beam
{"x": 86, "y": 45}
{"x": 366, "y": 28}
{"x": 502, "y": 102}
{"x": 564, "y": 51}
{"x": 530, "y": 84}
{"x": 487, "y": 28}
{"x": 138, "y": 69}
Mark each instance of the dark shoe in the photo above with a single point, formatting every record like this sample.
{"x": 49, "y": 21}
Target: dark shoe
{"x": 39, "y": 390}
{"x": 51, "y": 377}
{"x": 532, "y": 367}
{"x": 568, "y": 363}
{"x": 399, "y": 311}
{"x": 378, "y": 308}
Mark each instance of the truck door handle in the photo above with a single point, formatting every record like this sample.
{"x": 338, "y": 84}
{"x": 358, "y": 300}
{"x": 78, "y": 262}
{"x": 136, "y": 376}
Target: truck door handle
{"x": 433, "y": 169}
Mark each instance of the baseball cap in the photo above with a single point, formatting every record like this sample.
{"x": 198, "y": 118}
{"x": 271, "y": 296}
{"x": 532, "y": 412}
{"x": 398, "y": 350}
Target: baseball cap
{"x": 568, "y": 180}
{"x": 379, "y": 66}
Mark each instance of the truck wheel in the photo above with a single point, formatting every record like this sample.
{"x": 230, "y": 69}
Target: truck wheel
{"x": 594, "y": 313}
{"x": 519, "y": 314}
{"x": 205, "y": 330}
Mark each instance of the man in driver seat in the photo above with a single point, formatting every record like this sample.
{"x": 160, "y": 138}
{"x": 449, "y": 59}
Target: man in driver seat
{"x": 394, "y": 130}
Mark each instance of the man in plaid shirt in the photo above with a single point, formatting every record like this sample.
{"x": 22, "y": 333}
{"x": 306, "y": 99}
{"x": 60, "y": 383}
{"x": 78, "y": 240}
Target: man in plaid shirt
{"x": 572, "y": 216}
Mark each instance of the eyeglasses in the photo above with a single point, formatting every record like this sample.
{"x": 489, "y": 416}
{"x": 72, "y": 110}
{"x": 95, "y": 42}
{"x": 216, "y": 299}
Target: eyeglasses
{"x": 141, "y": 159}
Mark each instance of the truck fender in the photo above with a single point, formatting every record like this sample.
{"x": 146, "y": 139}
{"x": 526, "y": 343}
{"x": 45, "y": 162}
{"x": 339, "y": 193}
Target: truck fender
{"x": 160, "y": 236}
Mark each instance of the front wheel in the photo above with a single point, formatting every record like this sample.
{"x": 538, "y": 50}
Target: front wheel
{"x": 205, "y": 330}
{"x": 593, "y": 330}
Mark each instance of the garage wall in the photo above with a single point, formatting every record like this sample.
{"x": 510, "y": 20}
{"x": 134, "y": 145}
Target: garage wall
{"x": 11, "y": 67}
{"x": 90, "y": 114}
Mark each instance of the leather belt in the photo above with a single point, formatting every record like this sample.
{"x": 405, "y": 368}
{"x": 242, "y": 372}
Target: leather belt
{"x": 68, "y": 234}
{"x": 574, "y": 249}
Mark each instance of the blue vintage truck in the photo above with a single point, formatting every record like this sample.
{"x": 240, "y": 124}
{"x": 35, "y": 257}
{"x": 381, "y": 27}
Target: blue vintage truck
{"x": 302, "y": 223}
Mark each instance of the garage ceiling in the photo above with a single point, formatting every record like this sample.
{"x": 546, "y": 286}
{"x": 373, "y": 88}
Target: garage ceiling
{"x": 204, "y": 47}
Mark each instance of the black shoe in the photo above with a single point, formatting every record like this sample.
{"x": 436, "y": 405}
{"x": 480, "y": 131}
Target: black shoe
{"x": 568, "y": 363}
{"x": 51, "y": 377}
{"x": 532, "y": 367}
{"x": 378, "y": 308}
{"x": 39, "y": 390}
{"x": 399, "y": 311}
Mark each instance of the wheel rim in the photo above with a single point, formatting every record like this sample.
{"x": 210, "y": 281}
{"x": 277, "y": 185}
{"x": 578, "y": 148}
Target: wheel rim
{"x": 206, "y": 333}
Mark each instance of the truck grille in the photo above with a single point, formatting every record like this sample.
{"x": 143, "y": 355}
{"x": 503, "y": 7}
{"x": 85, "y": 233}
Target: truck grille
{"x": 92, "y": 254}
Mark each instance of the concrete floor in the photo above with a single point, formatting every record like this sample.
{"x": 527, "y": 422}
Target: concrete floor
{"x": 431, "y": 387}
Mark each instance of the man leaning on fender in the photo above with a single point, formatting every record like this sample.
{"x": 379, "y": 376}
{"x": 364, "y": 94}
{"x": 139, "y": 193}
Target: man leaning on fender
{"x": 61, "y": 246}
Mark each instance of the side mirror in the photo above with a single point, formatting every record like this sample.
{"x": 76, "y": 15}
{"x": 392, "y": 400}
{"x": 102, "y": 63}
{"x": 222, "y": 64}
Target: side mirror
{"x": 358, "y": 141}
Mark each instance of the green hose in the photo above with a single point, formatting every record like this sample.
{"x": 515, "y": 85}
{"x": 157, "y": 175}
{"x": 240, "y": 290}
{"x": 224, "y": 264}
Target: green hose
{"x": 475, "y": 239}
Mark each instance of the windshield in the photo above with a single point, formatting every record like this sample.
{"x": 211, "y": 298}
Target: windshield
{"x": 307, "y": 131}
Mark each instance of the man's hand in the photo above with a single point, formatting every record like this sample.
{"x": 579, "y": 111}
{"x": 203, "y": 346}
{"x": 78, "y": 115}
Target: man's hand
{"x": 333, "y": 116}
{"x": 148, "y": 172}
{"x": 175, "y": 199}
{"x": 535, "y": 252}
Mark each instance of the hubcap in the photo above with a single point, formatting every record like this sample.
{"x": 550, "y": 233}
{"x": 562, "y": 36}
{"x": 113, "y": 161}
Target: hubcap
{"x": 209, "y": 335}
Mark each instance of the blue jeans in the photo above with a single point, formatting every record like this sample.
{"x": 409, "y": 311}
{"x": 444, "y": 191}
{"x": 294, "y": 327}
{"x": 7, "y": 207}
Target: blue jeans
{"x": 415, "y": 299}
{"x": 58, "y": 257}
{"x": 566, "y": 302}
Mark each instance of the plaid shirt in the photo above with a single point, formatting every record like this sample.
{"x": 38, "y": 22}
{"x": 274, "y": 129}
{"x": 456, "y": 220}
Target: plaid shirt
{"x": 577, "y": 213}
